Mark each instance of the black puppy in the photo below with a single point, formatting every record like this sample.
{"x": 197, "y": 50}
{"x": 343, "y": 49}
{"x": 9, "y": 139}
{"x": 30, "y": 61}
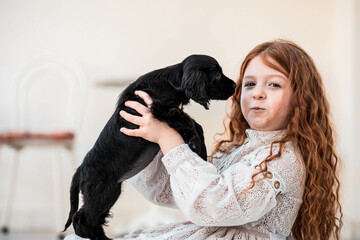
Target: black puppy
{"x": 116, "y": 157}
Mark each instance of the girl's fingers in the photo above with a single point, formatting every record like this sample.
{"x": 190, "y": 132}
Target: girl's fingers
{"x": 137, "y": 107}
{"x": 142, "y": 120}
{"x": 145, "y": 96}
{"x": 130, "y": 132}
{"x": 130, "y": 118}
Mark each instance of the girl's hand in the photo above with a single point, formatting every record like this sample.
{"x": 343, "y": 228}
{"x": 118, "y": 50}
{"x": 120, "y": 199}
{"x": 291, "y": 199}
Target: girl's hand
{"x": 150, "y": 128}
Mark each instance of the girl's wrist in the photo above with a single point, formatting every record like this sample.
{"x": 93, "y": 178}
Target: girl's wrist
{"x": 169, "y": 140}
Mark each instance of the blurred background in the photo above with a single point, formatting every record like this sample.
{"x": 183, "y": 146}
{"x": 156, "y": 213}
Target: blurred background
{"x": 107, "y": 44}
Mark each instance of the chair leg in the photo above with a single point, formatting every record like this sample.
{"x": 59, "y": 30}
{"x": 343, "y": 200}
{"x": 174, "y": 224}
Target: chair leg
{"x": 10, "y": 192}
{"x": 58, "y": 196}
{"x": 72, "y": 154}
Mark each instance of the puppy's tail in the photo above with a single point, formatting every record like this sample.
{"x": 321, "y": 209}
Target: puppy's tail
{"x": 74, "y": 198}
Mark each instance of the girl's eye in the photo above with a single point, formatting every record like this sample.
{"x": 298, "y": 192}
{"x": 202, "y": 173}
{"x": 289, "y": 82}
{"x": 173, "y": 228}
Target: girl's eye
{"x": 274, "y": 85}
{"x": 249, "y": 84}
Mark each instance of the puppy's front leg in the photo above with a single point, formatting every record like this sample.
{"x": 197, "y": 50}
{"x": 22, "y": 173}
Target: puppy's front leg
{"x": 200, "y": 133}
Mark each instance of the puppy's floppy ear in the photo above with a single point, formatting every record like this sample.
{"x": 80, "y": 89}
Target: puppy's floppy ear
{"x": 195, "y": 85}
{"x": 175, "y": 78}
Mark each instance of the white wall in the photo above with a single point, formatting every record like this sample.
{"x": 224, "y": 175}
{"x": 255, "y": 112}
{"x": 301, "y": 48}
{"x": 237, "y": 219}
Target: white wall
{"x": 120, "y": 39}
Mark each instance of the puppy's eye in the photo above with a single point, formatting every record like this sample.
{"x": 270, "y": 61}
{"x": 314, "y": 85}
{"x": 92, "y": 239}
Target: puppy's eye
{"x": 218, "y": 76}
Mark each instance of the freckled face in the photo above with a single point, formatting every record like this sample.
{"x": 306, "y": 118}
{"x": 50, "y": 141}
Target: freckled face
{"x": 265, "y": 97}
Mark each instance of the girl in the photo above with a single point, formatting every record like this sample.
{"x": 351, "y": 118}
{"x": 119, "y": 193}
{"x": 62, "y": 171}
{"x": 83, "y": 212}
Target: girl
{"x": 274, "y": 176}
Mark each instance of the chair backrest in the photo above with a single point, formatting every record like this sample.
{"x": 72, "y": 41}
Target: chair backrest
{"x": 49, "y": 94}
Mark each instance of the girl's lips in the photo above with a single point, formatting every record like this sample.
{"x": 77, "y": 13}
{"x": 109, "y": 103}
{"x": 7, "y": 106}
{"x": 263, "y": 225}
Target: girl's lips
{"x": 257, "y": 110}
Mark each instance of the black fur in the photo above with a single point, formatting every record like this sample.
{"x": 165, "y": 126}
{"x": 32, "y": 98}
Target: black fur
{"x": 116, "y": 157}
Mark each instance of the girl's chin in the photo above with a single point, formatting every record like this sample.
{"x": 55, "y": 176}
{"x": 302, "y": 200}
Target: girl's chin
{"x": 259, "y": 126}
{"x": 262, "y": 127}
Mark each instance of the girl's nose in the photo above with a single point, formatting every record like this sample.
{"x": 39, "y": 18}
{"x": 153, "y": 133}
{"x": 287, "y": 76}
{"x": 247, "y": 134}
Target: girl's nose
{"x": 259, "y": 93}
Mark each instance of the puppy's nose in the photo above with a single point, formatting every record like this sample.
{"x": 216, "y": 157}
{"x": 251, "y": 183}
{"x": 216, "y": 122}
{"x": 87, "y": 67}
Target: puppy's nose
{"x": 234, "y": 85}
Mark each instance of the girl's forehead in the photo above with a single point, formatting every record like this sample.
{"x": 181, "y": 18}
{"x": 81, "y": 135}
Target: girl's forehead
{"x": 258, "y": 67}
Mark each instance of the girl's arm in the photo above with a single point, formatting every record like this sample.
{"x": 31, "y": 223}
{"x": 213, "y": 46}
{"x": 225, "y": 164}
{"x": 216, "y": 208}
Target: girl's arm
{"x": 208, "y": 198}
{"x": 153, "y": 183}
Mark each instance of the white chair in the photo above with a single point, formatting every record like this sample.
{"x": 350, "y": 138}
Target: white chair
{"x": 49, "y": 95}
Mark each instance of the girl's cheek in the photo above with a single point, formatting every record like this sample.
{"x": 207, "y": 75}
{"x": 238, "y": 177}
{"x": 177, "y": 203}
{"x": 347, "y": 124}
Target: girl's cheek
{"x": 244, "y": 100}
{"x": 242, "y": 103}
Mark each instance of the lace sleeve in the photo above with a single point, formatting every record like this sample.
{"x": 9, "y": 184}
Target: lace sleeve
{"x": 154, "y": 183}
{"x": 209, "y": 199}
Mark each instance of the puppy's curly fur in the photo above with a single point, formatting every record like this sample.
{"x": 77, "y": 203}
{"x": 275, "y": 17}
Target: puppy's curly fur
{"x": 116, "y": 157}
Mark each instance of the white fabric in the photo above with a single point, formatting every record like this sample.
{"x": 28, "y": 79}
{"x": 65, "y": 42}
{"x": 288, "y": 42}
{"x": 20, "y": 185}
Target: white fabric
{"x": 209, "y": 195}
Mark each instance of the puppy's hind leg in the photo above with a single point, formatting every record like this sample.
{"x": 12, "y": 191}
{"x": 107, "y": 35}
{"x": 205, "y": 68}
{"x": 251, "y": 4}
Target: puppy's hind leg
{"x": 110, "y": 195}
{"x": 88, "y": 222}
{"x": 81, "y": 224}
{"x": 105, "y": 199}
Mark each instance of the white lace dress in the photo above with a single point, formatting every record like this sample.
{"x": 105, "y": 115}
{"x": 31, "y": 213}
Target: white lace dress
{"x": 209, "y": 195}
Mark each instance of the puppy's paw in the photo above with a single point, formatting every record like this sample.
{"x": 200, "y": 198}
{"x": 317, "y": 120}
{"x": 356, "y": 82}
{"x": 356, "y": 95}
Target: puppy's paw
{"x": 194, "y": 144}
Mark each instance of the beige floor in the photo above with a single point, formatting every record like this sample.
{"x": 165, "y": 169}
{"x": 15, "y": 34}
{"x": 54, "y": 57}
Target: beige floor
{"x": 29, "y": 236}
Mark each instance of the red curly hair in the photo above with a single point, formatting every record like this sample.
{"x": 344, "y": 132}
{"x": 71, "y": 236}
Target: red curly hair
{"x": 320, "y": 214}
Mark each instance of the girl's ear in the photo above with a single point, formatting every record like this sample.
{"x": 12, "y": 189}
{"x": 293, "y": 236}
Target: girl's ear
{"x": 195, "y": 85}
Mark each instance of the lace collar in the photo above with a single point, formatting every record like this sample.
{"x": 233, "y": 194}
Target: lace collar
{"x": 265, "y": 136}
{"x": 254, "y": 140}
